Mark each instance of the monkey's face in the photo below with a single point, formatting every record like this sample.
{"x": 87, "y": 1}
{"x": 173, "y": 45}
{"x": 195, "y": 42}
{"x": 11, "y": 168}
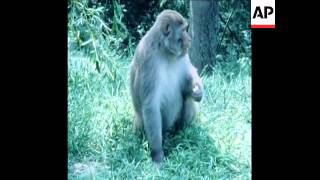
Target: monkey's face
{"x": 177, "y": 40}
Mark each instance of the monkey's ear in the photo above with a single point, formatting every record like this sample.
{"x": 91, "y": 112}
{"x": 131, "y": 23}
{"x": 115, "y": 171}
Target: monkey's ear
{"x": 166, "y": 29}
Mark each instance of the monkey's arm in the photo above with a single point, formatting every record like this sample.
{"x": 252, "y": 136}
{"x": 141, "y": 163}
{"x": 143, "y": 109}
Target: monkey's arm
{"x": 153, "y": 129}
{"x": 150, "y": 108}
{"x": 193, "y": 84}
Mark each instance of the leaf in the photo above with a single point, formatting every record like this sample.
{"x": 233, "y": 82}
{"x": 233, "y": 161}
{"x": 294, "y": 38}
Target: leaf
{"x": 87, "y": 42}
{"x": 162, "y": 3}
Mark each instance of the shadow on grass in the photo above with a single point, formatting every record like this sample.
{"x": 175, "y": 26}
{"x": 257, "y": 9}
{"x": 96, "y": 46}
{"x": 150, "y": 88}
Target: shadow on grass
{"x": 191, "y": 150}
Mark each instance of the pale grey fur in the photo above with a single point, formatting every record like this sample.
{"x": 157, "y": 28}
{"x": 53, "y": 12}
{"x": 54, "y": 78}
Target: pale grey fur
{"x": 162, "y": 79}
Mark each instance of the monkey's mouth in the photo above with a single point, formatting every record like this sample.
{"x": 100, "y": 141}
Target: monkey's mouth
{"x": 184, "y": 51}
{"x": 175, "y": 52}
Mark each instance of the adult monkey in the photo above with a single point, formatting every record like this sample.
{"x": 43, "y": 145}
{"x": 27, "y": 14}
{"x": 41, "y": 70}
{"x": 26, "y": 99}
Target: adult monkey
{"x": 164, "y": 84}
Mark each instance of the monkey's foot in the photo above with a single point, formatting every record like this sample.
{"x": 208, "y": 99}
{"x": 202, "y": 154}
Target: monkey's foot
{"x": 157, "y": 156}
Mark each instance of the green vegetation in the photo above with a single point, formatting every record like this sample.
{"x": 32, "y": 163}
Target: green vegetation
{"x": 101, "y": 141}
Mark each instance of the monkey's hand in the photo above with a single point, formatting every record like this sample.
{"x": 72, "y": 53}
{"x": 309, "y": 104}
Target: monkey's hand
{"x": 197, "y": 92}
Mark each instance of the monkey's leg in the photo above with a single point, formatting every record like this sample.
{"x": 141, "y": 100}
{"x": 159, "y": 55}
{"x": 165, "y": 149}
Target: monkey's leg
{"x": 153, "y": 130}
{"x": 188, "y": 113}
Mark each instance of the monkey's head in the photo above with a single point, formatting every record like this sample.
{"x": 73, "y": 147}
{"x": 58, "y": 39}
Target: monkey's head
{"x": 174, "y": 30}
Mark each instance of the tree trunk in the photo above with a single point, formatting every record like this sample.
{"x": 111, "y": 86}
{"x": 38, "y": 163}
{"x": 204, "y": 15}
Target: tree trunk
{"x": 204, "y": 32}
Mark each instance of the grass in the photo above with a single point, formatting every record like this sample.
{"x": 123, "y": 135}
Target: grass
{"x": 102, "y": 144}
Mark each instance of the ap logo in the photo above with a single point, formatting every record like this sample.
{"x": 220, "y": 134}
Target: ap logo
{"x": 262, "y": 13}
